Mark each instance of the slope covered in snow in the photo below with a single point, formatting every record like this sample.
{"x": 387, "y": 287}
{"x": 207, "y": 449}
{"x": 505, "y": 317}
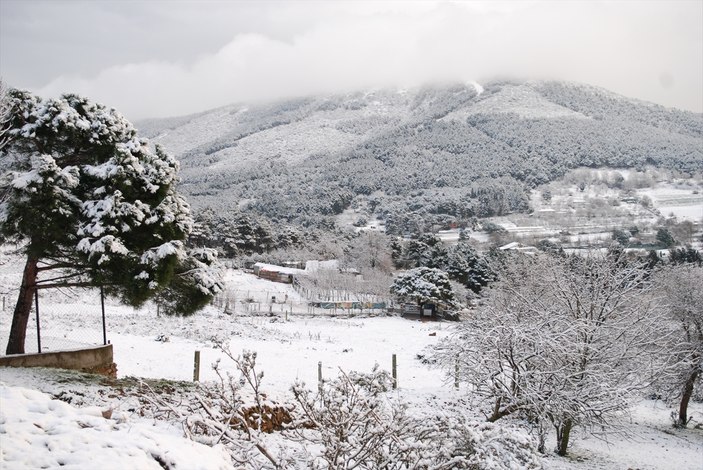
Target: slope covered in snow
{"x": 480, "y": 148}
{"x": 37, "y": 431}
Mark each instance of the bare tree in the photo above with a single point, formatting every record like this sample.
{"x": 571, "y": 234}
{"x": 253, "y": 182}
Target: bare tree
{"x": 560, "y": 340}
{"x": 681, "y": 286}
{"x": 369, "y": 251}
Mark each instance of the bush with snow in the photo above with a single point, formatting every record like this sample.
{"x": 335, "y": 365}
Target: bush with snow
{"x": 356, "y": 424}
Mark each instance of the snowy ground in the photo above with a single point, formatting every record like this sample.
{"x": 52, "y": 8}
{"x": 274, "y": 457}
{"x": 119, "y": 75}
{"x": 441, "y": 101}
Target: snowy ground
{"x": 287, "y": 350}
{"x": 40, "y": 432}
{"x": 684, "y": 203}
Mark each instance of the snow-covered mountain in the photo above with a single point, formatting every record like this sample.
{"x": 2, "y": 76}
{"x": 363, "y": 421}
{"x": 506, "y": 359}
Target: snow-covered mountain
{"x": 461, "y": 150}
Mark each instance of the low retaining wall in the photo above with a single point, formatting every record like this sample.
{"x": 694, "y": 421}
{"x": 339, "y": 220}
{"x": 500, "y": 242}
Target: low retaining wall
{"x": 98, "y": 360}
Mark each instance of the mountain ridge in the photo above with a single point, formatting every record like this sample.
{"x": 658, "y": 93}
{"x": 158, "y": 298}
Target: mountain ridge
{"x": 304, "y": 160}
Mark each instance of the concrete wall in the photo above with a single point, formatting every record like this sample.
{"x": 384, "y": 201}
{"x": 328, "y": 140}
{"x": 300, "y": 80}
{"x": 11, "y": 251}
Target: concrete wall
{"x": 98, "y": 360}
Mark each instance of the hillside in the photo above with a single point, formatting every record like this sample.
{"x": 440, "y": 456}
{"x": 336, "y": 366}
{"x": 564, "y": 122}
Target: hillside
{"x": 439, "y": 154}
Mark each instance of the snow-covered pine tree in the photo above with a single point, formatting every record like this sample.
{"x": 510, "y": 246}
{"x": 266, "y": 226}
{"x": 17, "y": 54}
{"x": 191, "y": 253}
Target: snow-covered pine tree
{"x": 93, "y": 205}
{"x": 424, "y": 285}
{"x": 464, "y": 265}
{"x": 4, "y": 113}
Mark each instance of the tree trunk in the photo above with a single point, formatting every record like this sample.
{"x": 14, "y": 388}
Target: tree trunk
{"x": 541, "y": 436}
{"x": 18, "y": 330}
{"x": 686, "y": 397}
{"x": 563, "y": 432}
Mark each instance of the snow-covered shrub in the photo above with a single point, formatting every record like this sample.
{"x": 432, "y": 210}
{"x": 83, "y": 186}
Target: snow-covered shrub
{"x": 349, "y": 422}
{"x": 232, "y": 412}
{"x": 357, "y": 425}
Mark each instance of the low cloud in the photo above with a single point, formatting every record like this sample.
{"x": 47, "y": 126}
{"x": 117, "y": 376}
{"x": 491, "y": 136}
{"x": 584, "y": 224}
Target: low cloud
{"x": 643, "y": 50}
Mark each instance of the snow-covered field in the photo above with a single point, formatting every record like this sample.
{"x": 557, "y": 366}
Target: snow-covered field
{"x": 682, "y": 203}
{"x": 588, "y": 216}
{"x": 36, "y": 432}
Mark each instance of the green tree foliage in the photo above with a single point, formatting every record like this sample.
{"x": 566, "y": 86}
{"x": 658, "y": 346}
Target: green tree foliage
{"x": 685, "y": 255}
{"x": 238, "y": 233}
{"x": 665, "y": 238}
{"x": 465, "y": 265}
{"x": 92, "y": 204}
{"x": 622, "y": 237}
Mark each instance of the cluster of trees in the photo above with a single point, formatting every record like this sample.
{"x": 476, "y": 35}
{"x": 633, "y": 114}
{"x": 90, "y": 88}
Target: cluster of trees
{"x": 685, "y": 255}
{"x": 425, "y": 286}
{"x": 571, "y": 341}
{"x": 663, "y": 237}
{"x": 602, "y": 105}
{"x": 461, "y": 262}
{"x": 91, "y": 204}
{"x": 555, "y": 146}
{"x": 235, "y": 234}
{"x": 428, "y": 210}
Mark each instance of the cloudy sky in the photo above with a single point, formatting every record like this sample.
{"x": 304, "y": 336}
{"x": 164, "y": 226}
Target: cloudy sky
{"x": 154, "y": 58}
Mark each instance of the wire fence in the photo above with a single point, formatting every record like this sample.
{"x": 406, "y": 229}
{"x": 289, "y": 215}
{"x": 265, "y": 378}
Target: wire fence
{"x": 285, "y": 302}
{"x": 65, "y": 320}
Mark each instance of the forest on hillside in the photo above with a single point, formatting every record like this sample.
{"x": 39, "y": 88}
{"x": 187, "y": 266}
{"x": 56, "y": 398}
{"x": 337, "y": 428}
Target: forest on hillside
{"x": 435, "y": 154}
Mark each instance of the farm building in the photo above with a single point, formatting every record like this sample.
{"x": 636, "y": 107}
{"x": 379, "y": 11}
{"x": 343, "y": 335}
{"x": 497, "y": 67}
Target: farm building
{"x": 276, "y": 273}
{"x": 427, "y": 310}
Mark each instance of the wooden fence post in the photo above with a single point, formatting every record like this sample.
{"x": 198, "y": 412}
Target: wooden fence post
{"x": 394, "y": 371}
{"x": 196, "y": 367}
{"x": 319, "y": 375}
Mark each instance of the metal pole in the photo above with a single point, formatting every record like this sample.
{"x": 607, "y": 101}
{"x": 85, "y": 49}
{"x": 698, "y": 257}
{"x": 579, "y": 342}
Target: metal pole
{"x": 102, "y": 306}
{"x": 36, "y": 309}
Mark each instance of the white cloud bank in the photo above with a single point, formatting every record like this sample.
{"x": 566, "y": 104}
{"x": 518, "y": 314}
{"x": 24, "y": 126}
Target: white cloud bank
{"x": 648, "y": 50}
